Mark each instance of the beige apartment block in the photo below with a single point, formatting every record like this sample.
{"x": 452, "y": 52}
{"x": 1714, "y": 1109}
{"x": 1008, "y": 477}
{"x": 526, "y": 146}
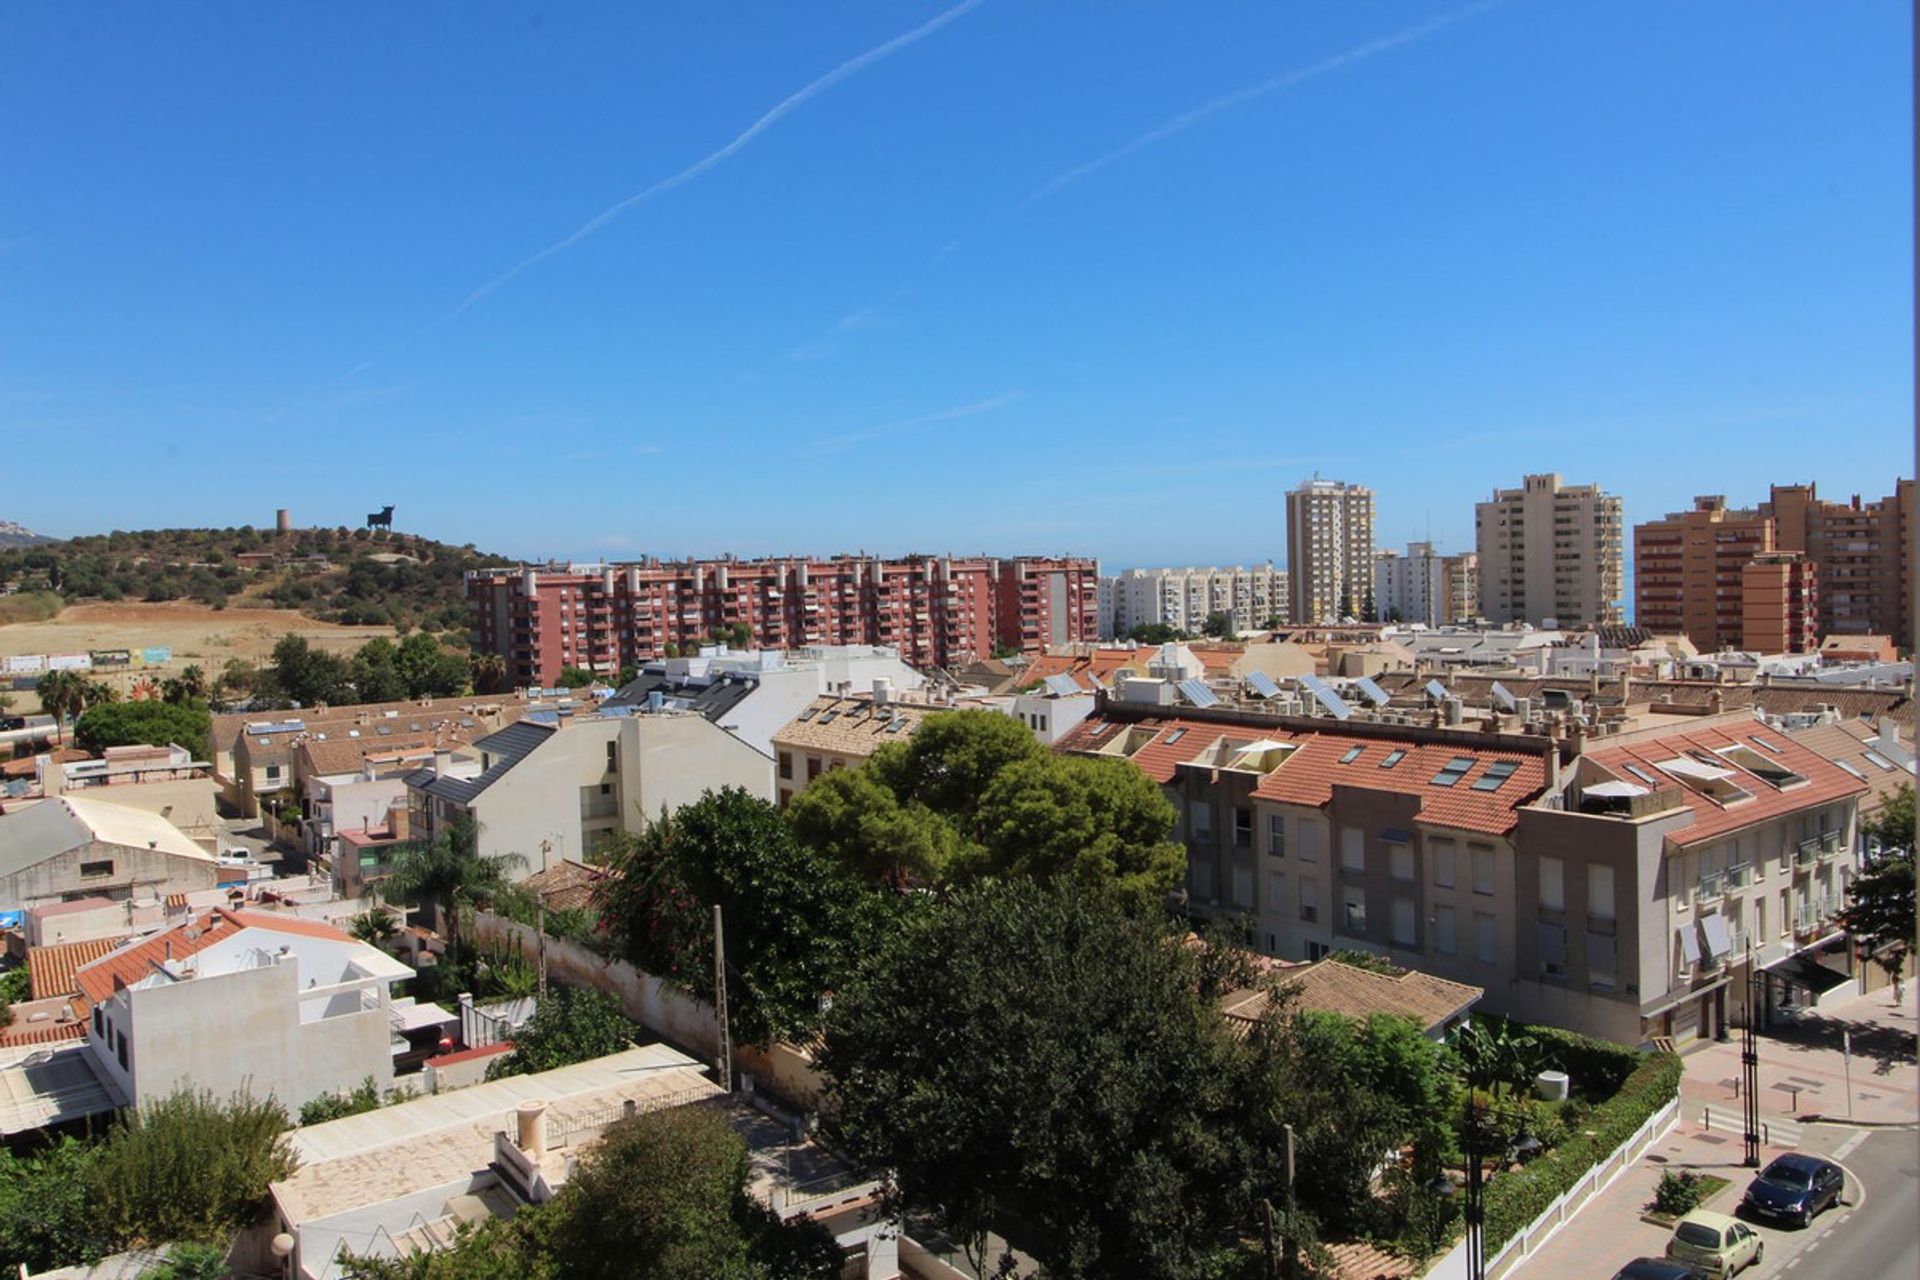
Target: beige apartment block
{"x": 1687, "y": 572}
{"x": 1550, "y": 550}
{"x": 1330, "y": 552}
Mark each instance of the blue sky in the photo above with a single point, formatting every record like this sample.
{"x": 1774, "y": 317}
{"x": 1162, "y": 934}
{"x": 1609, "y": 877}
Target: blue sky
{"x": 1100, "y": 277}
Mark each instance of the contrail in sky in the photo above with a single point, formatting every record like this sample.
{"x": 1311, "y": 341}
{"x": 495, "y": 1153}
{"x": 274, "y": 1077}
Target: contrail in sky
{"x": 1160, "y": 133}
{"x": 698, "y": 167}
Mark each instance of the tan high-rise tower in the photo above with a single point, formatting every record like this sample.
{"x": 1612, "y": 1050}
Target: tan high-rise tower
{"x": 1551, "y": 551}
{"x": 1330, "y": 551}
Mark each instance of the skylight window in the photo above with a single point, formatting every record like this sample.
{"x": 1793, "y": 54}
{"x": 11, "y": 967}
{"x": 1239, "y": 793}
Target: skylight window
{"x": 1353, "y": 753}
{"x": 808, "y": 713}
{"x": 1454, "y": 770}
{"x": 1643, "y": 775}
{"x": 1851, "y": 768}
{"x": 1394, "y": 757}
{"x": 1878, "y": 761}
{"x": 1497, "y": 772}
{"x": 1767, "y": 744}
{"x": 1175, "y": 736}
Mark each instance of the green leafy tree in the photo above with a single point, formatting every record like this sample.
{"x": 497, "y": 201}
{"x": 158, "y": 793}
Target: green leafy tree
{"x": 121, "y": 724}
{"x": 188, "y": 1167}
{"x": 1881, "y": 914}
{"x": 1155, "y": 633}
{"x": 308, "y": 675}
{"x": 450, "y": 874}
{"x": 795, "y": 922}
{"x": 662, "y": 1196}
{"x": 428, "y": 670}
{"x": 375, "y": 673}
{"x": 855, "y": 820}
{"x": 952, "y": 758}
{"x": 191, "y": 1261}
{"x": 1038, "y": 1055}
{"x": 570, "y": 1025}
{"x": 575, "y": 677}
{"x": 48, "y": 1216}
{"x": 1219, "y": 625}
{"x": 1098, "y": 821}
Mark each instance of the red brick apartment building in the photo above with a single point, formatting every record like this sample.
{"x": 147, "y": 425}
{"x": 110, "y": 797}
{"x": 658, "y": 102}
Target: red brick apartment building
{"x": 936, "y": 610}
{"x": 1776, "y": 577}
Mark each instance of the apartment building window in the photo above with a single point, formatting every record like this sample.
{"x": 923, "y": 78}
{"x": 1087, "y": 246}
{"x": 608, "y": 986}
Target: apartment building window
{"x": 1309, "y": 900}
{"x": 1443, "y": 930}
{"x": 786, "y": 766}
{"x": 1353, "y": 909}
{"x": 1202, "y": 819}
{"x": 1786, "y": 914}
{"x": 1277, "y": 835}
{"x": 1601, "y": 962}
{"x": 1760, "y": 918}
{"x": 1276, "y": 893}
{"x": 1242, "y": 827}
{"x": 90, "y": 869}
{"x": 1440, "y": 854}
{"x": 1400, "y": 862}
{"x": 120, "y": 1049}
{"x": 1401, "y": 921}
{"x": 1243, "y": 886}
{"x": 1353, "y": 849}
{"x": 1599, "y": 891}
{"x": 99, "y": 1021}
{"x": 1201, "y": 870}
{"x": 1485, "y": 949}
{"x": 1553, "y": 951}
{"x": 1482, "y": 857}
{"x": 813, "y": 767}
{"x": 1553, "y": 884}
{"x": 1307, "y": 835}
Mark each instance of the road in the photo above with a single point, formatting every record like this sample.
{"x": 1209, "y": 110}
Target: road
{"x": 1877, "y": 1237}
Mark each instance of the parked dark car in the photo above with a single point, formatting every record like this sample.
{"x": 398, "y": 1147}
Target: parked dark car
{"x": 9, "y": 723}
{"x": 1795, "y": 1188}
{"x": 1659, "y": 1269}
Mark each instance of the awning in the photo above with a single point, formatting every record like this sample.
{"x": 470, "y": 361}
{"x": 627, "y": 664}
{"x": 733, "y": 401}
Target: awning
{"x": 1803, "y": 970}
{"x": 1615, "y": 790}
{"x": 1689, "y": 943}
{"x": 1718, "y": 943}
{"x": 412, "y": 1017}
{"x": 1683, "y": 768}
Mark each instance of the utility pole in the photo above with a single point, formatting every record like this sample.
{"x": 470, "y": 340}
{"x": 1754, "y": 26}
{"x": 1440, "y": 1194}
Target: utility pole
{"x": 1287, "y": 1243}
{"x": 725, "y": 1061}
{"x": 1750, "y": 1072}
{"x": 540, "y": 919}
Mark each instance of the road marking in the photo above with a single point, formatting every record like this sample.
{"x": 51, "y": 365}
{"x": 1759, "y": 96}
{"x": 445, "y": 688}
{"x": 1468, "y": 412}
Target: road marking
{"x": 1851, "y": 1145}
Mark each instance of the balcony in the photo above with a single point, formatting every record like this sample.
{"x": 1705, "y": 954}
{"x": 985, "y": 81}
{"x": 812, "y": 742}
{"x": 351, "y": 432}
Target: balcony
{"x": 1711, "y": 887}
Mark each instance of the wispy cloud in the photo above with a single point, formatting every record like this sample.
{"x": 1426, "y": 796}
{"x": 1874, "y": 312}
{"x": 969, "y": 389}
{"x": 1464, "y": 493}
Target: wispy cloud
{"x": 1179, "y": 124}
{"x": 834, "y": 444}
{"x": 712, "y": 159}
{"x": 1240, "y": 97}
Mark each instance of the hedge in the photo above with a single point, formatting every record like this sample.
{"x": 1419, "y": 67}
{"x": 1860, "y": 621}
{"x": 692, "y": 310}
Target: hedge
{"x": 1598, "y": 1067}
{"x": 1514, "y": 1200}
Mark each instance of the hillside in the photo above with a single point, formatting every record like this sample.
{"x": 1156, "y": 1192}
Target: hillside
{"x": 353, "y": 577}
{"x": 18, "y": 535}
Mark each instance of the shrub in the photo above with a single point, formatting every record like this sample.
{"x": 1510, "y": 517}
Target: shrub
{"x": 334, "y": 1106}
{"x": 189, "y": 1168}
{"x": 1679, "y": 1193}
{"x": 1515, "y": 1199}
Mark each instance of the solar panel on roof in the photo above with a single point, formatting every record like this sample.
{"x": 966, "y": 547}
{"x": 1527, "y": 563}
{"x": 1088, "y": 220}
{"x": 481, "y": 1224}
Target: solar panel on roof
{"x": 1333, "y": 704}
{"x": 1263, "y": 684}
{"x": 1371, "y": 692}
{"x": 1436, "y": 691}
{"x": 1062, "y": 686}
{"x": 1197, "y": 693}
{"x": 1503, "y": 697}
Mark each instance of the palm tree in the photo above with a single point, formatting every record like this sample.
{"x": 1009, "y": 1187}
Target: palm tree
{"x": 450, "y": 873}
{"x": 192, "y": 684}
{"x": 62, "y": 695}
{"x": 489, "y": 673}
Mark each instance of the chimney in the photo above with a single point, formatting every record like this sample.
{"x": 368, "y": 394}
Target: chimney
{"x": 53, "y": 777}
{"x": 398, "y": 821}
{"x": 1716, "y": 701}
{"x": 442, "y": 763}
{"x": 882, "y": 691}
{"x": 532, "y": 1122}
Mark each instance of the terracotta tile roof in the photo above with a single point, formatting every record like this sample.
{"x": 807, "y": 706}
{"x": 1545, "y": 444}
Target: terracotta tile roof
{"x": 98, "y": 980}
{"x": 1778, "y": 699}
{"x": 1826, "y": 781}
{"x": 336, "y": 755}
{"x": 567, "y": 885}
{"x": 1358, "y": 1260}
{"x": 1850, "y": 740}
{"x": 1218, "y": 659}
{"x": 1309, "y": 774}
{"x": 1333, "y": 986}
{"x": 43, "y": 1032}
{"x": 51, "y": 969}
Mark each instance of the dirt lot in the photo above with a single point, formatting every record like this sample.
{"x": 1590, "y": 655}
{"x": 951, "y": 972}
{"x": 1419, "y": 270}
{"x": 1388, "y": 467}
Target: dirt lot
{"x": 195, "y": 633}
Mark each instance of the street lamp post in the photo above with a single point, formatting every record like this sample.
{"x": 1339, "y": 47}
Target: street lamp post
{"x": 1750, "y": 1071}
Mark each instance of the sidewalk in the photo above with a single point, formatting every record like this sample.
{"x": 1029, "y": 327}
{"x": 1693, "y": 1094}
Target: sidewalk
{"x": 1608, "y": 1231}
{"x": 1803, "y": 1073}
